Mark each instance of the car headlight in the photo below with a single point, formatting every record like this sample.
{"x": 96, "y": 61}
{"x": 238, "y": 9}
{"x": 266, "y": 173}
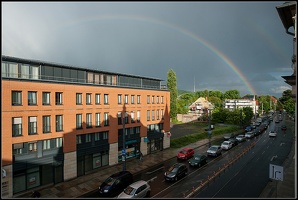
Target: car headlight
{"x": 105, "y": 191}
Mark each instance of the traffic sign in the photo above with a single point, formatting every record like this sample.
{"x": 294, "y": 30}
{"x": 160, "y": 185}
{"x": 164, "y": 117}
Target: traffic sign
{"x": 276, "y": 172}
{"x": 123, "y": 152}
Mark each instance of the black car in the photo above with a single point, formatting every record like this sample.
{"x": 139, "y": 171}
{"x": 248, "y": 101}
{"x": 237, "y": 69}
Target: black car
{"x": 283, "y": 127}
{"x": 198, "y": 160}
{"x": 115, "y": 184}
{"x": 176, "y": 172}
{"x": 234, "y": 141}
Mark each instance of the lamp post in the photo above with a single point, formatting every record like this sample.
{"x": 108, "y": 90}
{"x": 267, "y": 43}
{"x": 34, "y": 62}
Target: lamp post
{"x": 123, "y": 149}
{"x": 209, "y": 131}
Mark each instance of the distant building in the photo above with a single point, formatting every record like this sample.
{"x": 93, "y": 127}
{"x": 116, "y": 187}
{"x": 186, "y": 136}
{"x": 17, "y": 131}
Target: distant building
{"x": 201, "y": 106}
{"x": 233, "y": 104}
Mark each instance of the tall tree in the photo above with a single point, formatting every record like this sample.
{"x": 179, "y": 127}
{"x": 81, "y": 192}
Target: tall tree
{"x": 232, "y": 94}
{"x": 172, "y": 86}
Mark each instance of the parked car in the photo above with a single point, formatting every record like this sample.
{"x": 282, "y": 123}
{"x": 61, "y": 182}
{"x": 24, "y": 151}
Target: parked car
{"x": 241, "y": 138}
{"x": 214, "y": 150}
{"x": 248, "y": 128}
{"x": 227, "y": 137}
{"x": 115, "y": 184}
{"x": 272, "y": 134}
{"x": 283, "y": 127}
{"x": 249, "y": 135}
{"x": 226, "y": 145}
{"x": 176, "y": 172}
{"x": 139, "y": 189}
{"x": 198, "y": 160}
{"x": 234, "y": 141}
{"x": 185, "y": 153}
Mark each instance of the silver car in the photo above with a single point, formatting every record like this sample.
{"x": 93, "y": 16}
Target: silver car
{"x": 137, "y": 189}
{"x": 241, "y": 138}
{"x": 214, "y": 150}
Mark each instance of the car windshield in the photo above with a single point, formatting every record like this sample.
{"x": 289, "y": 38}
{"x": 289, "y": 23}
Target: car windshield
{"x": 197, "y": 157}
{"x": 129, "y": 190}
{"x": 225, "y": 143}
{"x": 110, "y": 181}
{"x": 173, "y": 169}
{"x": 183, "y": 152}
{"x": 213, "y": 148}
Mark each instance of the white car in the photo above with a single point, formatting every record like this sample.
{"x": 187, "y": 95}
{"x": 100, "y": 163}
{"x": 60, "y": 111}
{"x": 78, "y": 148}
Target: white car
{"x": 226, "y": 145}
{"x": 139, "y": 189}
{"x": 272, "y": 134}
{"x": 241, "y": 138}
{"x": 249, "y": 135}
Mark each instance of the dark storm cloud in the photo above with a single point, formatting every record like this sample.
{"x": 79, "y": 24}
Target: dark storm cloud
{"x": 205, "y": 43}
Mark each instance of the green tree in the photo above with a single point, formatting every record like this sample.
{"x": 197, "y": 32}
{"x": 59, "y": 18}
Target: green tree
{"x": 172, "y": 86}
{"x": 216, "y": 101}
{"x": 216, "y": 93}
{"x": 248, "y": 114}
{"x": 286, "y": 95}
{"x": 289, "y": 106}
{"x": 232, "y": 94}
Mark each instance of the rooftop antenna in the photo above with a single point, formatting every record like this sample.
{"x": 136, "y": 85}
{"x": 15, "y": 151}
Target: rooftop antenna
{"x": 194, "y": 84}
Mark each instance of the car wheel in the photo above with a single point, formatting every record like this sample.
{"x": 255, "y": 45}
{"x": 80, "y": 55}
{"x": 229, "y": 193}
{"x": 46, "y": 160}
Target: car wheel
{"x": 148, "y": 194}
{"x": 199, "y": 164}
{"x": 176, "y": 178}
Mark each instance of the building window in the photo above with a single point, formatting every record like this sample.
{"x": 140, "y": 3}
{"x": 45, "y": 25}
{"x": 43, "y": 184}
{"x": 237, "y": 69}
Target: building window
{"x": 157, "y": 114}
{"x": 126, "y": 99}
{"x": 119, "y": 99}
{"x": 32, "y": 98}
{"x": 97, "y": 136}
{"x": 153, "y": 99}
{"x": 32, "y": 147}
{"x": 46, "y": 144}
{"x": 138, "y": 116}
{"x": 162, "y": 99}
{"x": 46, "y": 127}
{"x": 148, "y": 115}
{"x": 97, "y": 119}
{"x": 88, "y": 138}
{"x": 119, "y": 116}
{"x": 16, "y": 126}
{"x": 97, "y": 99}
{"x": 148, "y": 99}
{"x": 132, "y": 99}
{"x": 88, "y": 98}
{"x": 153, "y": 115}
{"x": 106, "y": 119}
{"x": 79, "y": 121}
{"x": 105, "y": 135}
{"x": 16, "y": 98}
{"x": 88, "y": 120}
{"x": 79, "y": 99}
{"x": 106, "y": 99}
{"x": 59, "y": 98}
{"x": 18, "y": 148}
{"x": 132, "y": 116}
{"x": 79, "y": 139}
{"x": 157, "y": 99}
{"x": 58, "y": 142}
{"x": 46, "y": 98}
{"x": 32, "y": 125}
{"x": 162, "y": 114}
{"x": 138, "y": 99}
{"x": 59, "y": 123}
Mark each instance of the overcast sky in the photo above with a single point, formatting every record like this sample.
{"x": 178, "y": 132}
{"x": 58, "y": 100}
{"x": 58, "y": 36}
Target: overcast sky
{"x": 210, "y": 45}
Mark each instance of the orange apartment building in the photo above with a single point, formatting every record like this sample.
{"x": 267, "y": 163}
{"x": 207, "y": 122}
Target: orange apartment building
{"x": 60, "y": 122}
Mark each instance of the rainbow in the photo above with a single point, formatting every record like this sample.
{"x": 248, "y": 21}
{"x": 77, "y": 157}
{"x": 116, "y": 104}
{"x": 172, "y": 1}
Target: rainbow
{"x": 177, "y": 28}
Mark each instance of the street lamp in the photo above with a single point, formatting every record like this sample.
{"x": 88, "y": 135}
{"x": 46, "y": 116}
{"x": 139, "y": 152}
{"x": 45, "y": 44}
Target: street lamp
{"x": 209, "y": 131}
{"x": 123, "y": 149}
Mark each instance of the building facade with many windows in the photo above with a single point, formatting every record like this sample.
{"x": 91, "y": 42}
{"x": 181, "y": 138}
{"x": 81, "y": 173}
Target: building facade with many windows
{"x": 60, "y": 122}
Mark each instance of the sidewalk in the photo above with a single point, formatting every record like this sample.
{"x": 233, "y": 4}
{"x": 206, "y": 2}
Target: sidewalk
{"x": 84, "y": 184}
